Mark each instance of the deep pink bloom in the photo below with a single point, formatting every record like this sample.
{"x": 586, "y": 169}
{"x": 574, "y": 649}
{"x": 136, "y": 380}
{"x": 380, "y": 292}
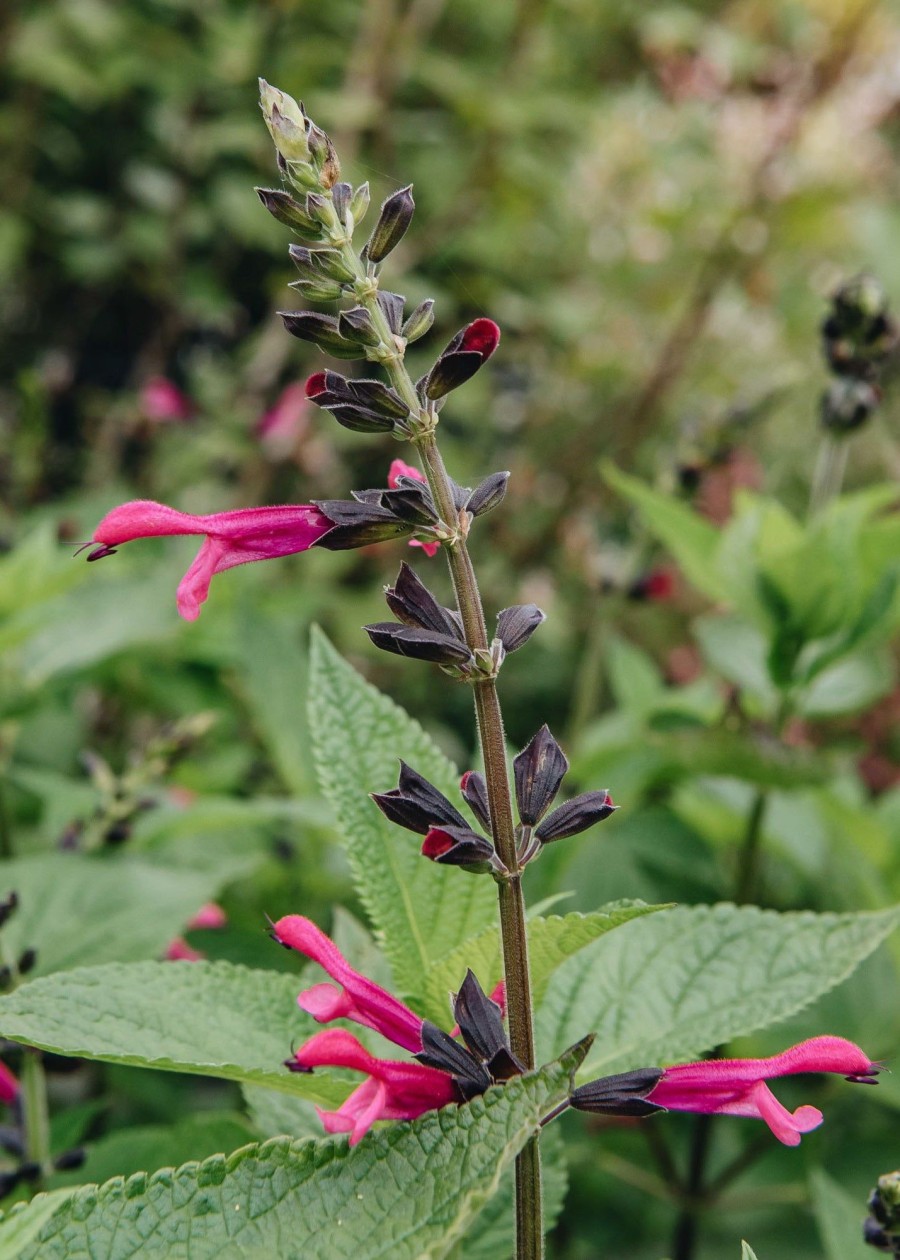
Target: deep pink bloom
{"x": 286, "y": 421}
{"x": 357, "y": 998}
{"x": 737, "y": 1087}
{"x": 232, "y": 538}
{"x": 9, "y": 1086}
{"x": 162, "y": 401}
{"x": 208, "y": 916}
{"x": 178, "y": 950}
{"x": 393, "y": 1091}
{"x": 482, "y": 337}
{"x": 400, "y": 469}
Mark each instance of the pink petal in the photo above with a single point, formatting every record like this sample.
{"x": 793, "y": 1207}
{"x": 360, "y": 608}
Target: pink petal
{"x": 399, "y": 469}
{"x": 366, "y": 1002}
{"x": 481, "y": 336}
{"x": 178, "y": 950}
{"x": 208, "y": 916}
{"x": 9, "y": 1086}
{"x": 787, "y": 1127}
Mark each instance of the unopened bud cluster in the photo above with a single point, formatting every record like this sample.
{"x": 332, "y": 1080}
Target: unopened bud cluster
{"x": 859, "y": 336}
{"x": 882, "y": 1227}
{"x": 449, "y": 840}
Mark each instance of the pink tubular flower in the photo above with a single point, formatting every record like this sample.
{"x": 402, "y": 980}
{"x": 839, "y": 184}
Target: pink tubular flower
{"x": 286, "y": 421}
{"x": 178, "y": 950}
{"x": 9, "y": 1086}
{"x": 737, "y": 1087}
{"x": 393, "y": 1091}
{"x": 162, "y": 401}
{"x": 232, "y": 538}
{"x": 400, "y": 469}
{"x": 209, "y": 916}
{"x": 357, "y": 998}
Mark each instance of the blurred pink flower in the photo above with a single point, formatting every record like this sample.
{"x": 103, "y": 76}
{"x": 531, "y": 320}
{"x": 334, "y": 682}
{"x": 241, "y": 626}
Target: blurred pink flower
{"x": 208, "y": 916}
{"x": 280, "y": 428}
{"x": 178, "y": 950}
{"x": 162, "y": 401}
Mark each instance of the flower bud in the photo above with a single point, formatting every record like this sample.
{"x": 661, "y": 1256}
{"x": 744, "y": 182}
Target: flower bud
{"x": 576, "y": 815}
{"x": 324, "y": 157}
{"x": 417, "y": 804}
{"x": 359, "y": 202}
{"x": 320, "y": 264}
{"x": 474, "y": 789}
{"x": 488, "y": 495}
{"x": 340, "y": 199}
{"x": 441, "y": 1051}
{"x": 459, "y": 846}
{"x": 410, "y": 600}
{"x": 393, "y": 221}
{"x": 419, "y": 321}
{"x": 470, "y": 348}
{"x": 356, "y": 325}
{"x": 480, "y": 1022}
{"x": 292, "y": 213}
{"x": 422, "y": 645}
{"x": 392, "y": 308}
{"x": 322, "y": 331}
{"x": 516, "y": 625}
{"x": 286, "y": 122}
{"x": 365, "y": 406}
{"x": 538, "y": 771}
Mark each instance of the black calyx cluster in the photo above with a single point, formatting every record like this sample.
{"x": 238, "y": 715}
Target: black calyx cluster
{"x": 538, "y": 771}
{"x": 484, "y": 1058}
{"x": 881, "y": 1228}
{"x": 429, "y": 631}
{"x": 859, "y": 338}
{"x": 418, "y": 806}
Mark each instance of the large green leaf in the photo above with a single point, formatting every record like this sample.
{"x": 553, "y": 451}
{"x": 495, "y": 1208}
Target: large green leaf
{"x": 214, "y": 1019}
{"x": 675, "y": 984}
{"x": 409, "y": 1192}
{"x": 551, "y": 940}
{"x": 839, "y": 1217}
{"x": 75, "y": 909}
{"x": 21, "y": 1229}
{"x": 420, "y": 911}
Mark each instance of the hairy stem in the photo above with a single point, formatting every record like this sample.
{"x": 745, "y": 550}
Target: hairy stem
{"x": 514, "y": 940}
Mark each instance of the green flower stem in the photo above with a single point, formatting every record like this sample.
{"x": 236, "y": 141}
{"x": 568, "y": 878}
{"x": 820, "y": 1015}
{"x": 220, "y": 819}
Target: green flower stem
{"x": 828, "y": 477}
{"x": 529, "y": 1216}
{"x": 37, "y": 1118}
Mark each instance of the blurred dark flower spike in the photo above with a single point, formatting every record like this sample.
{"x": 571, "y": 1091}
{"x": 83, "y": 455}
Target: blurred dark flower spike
{"x": 575, "y": 815}
{"x": 365, "y": 406}
{"x": 859, "y": 332}
{"x": 516, "y": 625}
{"x": 421, "y": 645}
{"x": 538, "y": 770}
{"x": 291, "y": 212}
{"x": 8, "y": 906}
{"x": 473, "y": 786}
{"x": 461, "y": 846}
{"x": 848, "y": 403}
{"x": 480, "y": 1022}
{"x": 622, "y": 1095}
{"x": 410, "y": 600}
{"x": 393, "y": 220}
{"x": 470, "y": 348}
{"x": 417, "y": 804}
{"x": 322, "y": 331}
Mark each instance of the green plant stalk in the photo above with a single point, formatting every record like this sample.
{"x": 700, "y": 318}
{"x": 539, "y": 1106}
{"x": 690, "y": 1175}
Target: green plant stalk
{"x": 828, "y": 476}
{"x": 513, "y": 933}
{"x": 37, "y": 1117}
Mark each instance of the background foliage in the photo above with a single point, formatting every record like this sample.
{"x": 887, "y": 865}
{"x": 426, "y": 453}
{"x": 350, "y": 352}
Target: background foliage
{"x": 654, "y": 201}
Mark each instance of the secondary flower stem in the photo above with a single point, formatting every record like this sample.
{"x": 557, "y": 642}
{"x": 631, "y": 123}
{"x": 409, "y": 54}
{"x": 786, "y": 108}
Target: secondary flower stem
{"x": 34, "y": 1098}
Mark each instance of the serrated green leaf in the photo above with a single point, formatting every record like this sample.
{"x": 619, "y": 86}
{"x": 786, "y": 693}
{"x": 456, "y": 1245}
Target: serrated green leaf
{"x": 76, "y": 909}
{"x": 409, "y": 1192}
{"x": 420, "y": 911}
{"x": 551, "y": 940}
{"x": 673, "y": 985}
{"x": 209, "y": 1018}
{"x": 839, "y": 1217}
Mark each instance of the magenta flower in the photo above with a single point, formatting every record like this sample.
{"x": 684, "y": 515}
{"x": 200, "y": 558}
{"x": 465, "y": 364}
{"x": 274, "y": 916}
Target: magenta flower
{"x": 737, "y": 1087}
{"x": 400, "y": 469}
{"x": 280, "y": 428}
{"x": 178, "y": 950}
{"x": 9, "y": 1086}
{"x": 357, "y": 997}
{"x": 392, "y": 1091}
{"x": 232, "y": 538}
{"x": 209, "y": 916}
{"x": 163, "y": 402}
{"x": 445, "y": 1071}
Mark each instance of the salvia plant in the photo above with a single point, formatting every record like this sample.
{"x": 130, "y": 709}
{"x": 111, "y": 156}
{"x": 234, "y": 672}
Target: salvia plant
{"x": 437, "y": 1112}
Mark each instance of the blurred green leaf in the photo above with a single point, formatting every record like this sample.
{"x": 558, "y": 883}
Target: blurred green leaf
{"x": 839, "y": 1217}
